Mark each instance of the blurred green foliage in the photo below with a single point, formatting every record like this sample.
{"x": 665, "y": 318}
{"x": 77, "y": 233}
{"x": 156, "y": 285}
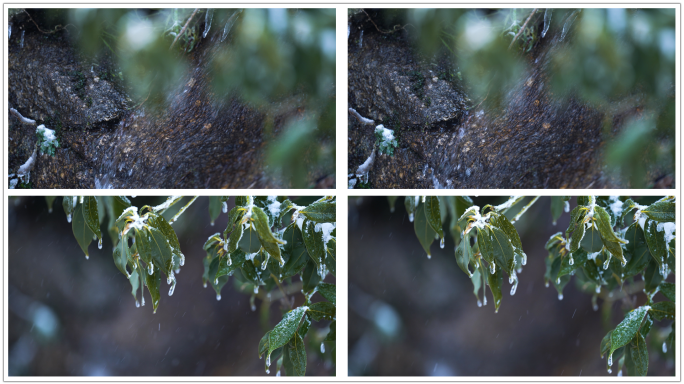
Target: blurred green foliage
{"x": 264, "y": 56}
{"x": 601, "y": 56}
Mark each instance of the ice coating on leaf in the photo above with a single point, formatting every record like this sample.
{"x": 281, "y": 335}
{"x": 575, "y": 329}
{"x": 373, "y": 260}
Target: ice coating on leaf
{"x": 566, "y": 208}
{"x": 323, "y": 347}
{"x": 256, "y": 289}
{"x": 479, "y": 303}
{"x": 274, "y": 207}
{"x": 572, "y": 261}
{"x": 668, "y": 229}
{"x": 411, "y": 217}
{"x": 615, "y": 205}
{"x": 363, "y": 169}
{"x": 607, "y": 262}
{"x": 208, "y": 17}
{"x": 592, "y": 256}
{"x": 560, "y": 296}
{"x": 218, "y": 297}
{"x": 508, "y": 203}
{"x": 99, "y": 244}
{"x": 265, "y": 263}
{"x": 250, "y": 256}
{"x": 547, "y": 23}
{"x": 150, "y": 268}
{"x": 69, "y": 218}
{"x": 224, "y": 208}
{"x": 327, "y": 229}
{"x": 166, "y": 204}
{"x": 387, "y": 136}
{"x": 664, "y": 347}
{"x": 492, "y": 268}
{"x": 441, "y": 243}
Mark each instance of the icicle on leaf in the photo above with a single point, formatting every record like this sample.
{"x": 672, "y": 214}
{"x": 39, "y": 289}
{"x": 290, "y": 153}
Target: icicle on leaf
{"x": 507, "y": 227}
{"x": 577, "y": 236}
{"x": 322, "y": 310}
{"x": 208, "y": 17}
{"x": 579, "y": 258}
{"x": 236, "y": 259}
{"x": 91, "y": 215}
{"x": 547, "y": 23}
{"x": 476, "y": 279}
{"x": 229, "y": 24}
{"x": 297, "y": 354}
{"x": 496, "y": 242}
{"x": 425, "y": 233}
{"x": 410, "y": 205}
{"x": 603, "y": 222}
{"x": 639, "y": 354}
{"x": 81, "y": 230}
{"x": 328, "y": 291}
{"x": 320, "y": 212}
{"x": 663, "y": 211}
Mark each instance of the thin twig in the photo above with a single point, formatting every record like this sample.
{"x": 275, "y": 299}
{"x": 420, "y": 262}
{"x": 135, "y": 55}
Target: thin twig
{"x": 173, "y": 220}
{"x": 524, "y": 209}
{"x": 57, "y": 28}
{"x": 396, "y": 27}
{"x": 523, "y": 27}
{"x": 184, "y": 28}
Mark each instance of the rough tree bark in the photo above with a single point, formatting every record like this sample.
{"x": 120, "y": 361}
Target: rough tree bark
{"x": 196, "y": 141}
{"x": 536, "y": 141}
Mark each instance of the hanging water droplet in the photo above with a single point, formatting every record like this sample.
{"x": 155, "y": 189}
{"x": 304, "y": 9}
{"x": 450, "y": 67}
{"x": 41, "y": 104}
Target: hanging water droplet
{"x": 619, "y": 373}
{"x": 547, "y": 22}
{"x": 142, "y": 302}
{"x": 595, "y": 307}
{"x": 173, "y": 288}
{"x": 484, "y": 300}
{"x": 322, "y": 348}
{"x": 560, "y": 296}
{"x": 225, "y": 207}
{"x": 610, "y": 370}
{"x": 268, "y": 361}
{"x": 572, "y": 261}
{"x": 492, "y": 268}
{"x": 256, "y": 289}
{"x": 410, "y": 218}
{"x": 87, "y": 257}
{"x": 212, "y": 223}
{"x": 207, "y": 25}
{"x": 205, "y": 284}
{"x": 514, "y": 287}
{"x": 546, "y": 284}
{"x": 610, "y": 360}
{"x": 150, "y": 268}
{"x": 429, "y": 256}
{"x": 598, "y": 289}
{"x": 253, "y": 307}
{"x": 268, "y": 371}
{"x": 182, "y": 260}
{"x": 69, "y": 218}
{"x": 99, "y": 244}
{"x": 441, "y": 243}
{"x": 558, "y": 280}
{"x": 218, "y": 297}
{"x": 664, "y": 347}
{"x": 277, "y": 373}
{"x": 216, "y": 282}
{"x": 137, "y": 303}
{"x": 524, "y": 259}
{"x": 479, "y": 303}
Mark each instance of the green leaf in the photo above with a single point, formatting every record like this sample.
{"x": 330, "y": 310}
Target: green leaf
{"x": 328, "y": 291}
{"x": 411, "y": 203}
{"x": 604, "y": 226}
{"x": 627, "y": 207}
{"x": 310, "y": 278}
{"x": 142, "y": 241}
{"x": 578, "y": 260}
{"x": 663, "y": 310}
{"x": 219, "y": 285}
{"x": 160, "y": 250}
{"x": 123, "y": 200}
{"x": 268, "y": 240}
{"x": 49, "y": 200}
{"x": 91, "y": 216}
{"x": 606, "y": 343}
{"x": 242, "y": 201}
{"x": 663, "y": 211}
{"x": 135, "y": 284}
{"x": 81, "y": 230}
{"x": 249, "y": 243}
{"x": 153, "y": 282}
{"x": 331, "y": 336}
{"x": 500, "y": 247}
{"x": 463, "y": 255}
{"x": 121, "y": 255}
{"x": 331, "y": 254}
{"x": 297, "y": 354}
{"x": 322, "y": 310}
{"x": 392, "y": 202}
{"x": 557, "y": 206}
{"x": 656, "y": 242}
{"x": 639, "y": 354}
{"x": 652, "y": 278}
{"x": 288, "y": 365}
{"x": 627, "y": 329}
{"x": 425, "y": 233}
{"x": 314, "y": 243}
{"x": 577, "y": 237}
{"x": 636, "y": 251}
{"x": 295, "y": 251}
{"x": 668, "y": 289}
{"x": 282, "y": 332}
{"x": 465, "y": 200}
{"x": 68, "y": 205}
{"x": 576, "y": 218}
{"x": 251, "y": 272}
{"x": 235, "y": 237}
{"x": 236, "y": 260}
{"x": 495, "y": 281}
{"x": 433, "y": 216}
{"x": 160, "y": 223}
{"x": 215, "y": 207}
{"x": 320, "y": 212}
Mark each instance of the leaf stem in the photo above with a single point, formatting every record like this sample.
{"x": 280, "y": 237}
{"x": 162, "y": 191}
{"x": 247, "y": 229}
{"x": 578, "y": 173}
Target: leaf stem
{"x": 173, "y": 220}
{"x": 186, "y": 27}
{"x": 523, "y": 27}
{"x": 524, "y": 209}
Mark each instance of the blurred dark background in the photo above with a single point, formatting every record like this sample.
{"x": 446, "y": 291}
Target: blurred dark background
{"x": 410, "y": 316}
{"x": 72, "y": 316}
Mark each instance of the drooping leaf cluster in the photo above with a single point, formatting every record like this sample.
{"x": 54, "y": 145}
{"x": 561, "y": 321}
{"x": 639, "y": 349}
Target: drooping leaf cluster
{"x": 262, "y": 253}
{"x": 485, "y": 240}
{"x": 605, "y": 255}
{"x": 255, "y": 248}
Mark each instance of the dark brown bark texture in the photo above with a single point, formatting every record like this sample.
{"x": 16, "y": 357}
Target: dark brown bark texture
{"x": 536, "y": 140}
{"x": 196, "y": 140}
